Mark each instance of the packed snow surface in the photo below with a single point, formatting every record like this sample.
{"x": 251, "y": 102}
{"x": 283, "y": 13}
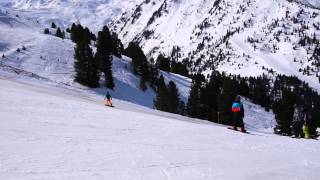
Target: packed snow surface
{"x": 58, "y": 132}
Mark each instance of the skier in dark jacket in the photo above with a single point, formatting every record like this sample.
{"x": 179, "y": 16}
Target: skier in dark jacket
{"x": 238, "y": 114}
{"x": 108, "y": 99}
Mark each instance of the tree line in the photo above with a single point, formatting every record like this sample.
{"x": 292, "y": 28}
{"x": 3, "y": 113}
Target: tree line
{"x": 167, "y": 95}
{"x": 212, "y": 99}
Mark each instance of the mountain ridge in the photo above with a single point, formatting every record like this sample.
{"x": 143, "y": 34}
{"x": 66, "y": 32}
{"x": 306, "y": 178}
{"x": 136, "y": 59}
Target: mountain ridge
{"x": 239, "y": 37}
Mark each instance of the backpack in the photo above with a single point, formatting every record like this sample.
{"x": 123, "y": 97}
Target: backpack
{"x": 236, "y": 107}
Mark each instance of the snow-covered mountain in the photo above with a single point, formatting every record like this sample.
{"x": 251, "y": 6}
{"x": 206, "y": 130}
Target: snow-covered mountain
{"x": 247, "y": 37}
{"x": 91, "y": 13}
{"x": 311, "y": 3}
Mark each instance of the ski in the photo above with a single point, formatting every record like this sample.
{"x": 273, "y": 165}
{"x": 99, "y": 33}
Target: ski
{"x": 231, "y": 128}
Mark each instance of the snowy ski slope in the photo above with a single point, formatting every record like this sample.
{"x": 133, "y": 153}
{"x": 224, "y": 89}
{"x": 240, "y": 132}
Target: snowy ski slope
{"x": 57, "y": 132}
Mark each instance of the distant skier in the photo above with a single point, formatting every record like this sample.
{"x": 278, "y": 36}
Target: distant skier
{"x": 297, "y": 121}
{"x": 108, "y": 100}
{"x": 238, "y": 114}
{"x": 306, "y": 132}
{"x": 306, "y": 123}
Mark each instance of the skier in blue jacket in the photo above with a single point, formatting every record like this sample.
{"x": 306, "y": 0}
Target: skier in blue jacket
{"x": 238, "y": 114}
{"x": 108, "y": 100}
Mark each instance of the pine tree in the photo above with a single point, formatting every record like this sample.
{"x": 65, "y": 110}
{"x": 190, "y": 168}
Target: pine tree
{"x": 63, "y": 34}
{"x": 194, "y": 106}
{"x": 73, "y": 32}
{"x": 86, "y": 32}
{"x": 283, "y": 110}
{"x": 179, "y": 68}
{"x": 160, "y": 102}
{"x": 77, "y": 34}
{"x": 59, "y": 33}
{"x": 145, "y": 73}
{"x": 260, "y": 91}
{"x": 182, "y": 108}
{"x": 137, "y": 55}
{"x": 94, "y": 73}
{"x": 173, "y": 99}
{"x": 228, "y": 94}
{"x": 154, "y": 74}
{"x": 163, "y": 63}
{"x": 85, "y": 66}
{"x": 117, "y": 46}
{"x": 46, "y": 31}
{"x": 103, "y": 55}
{"x": 53, "y": 25}
{"x": 176, "y": 66}
{"x": 210, "y": 95}
{"x": 140, "y": 64}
